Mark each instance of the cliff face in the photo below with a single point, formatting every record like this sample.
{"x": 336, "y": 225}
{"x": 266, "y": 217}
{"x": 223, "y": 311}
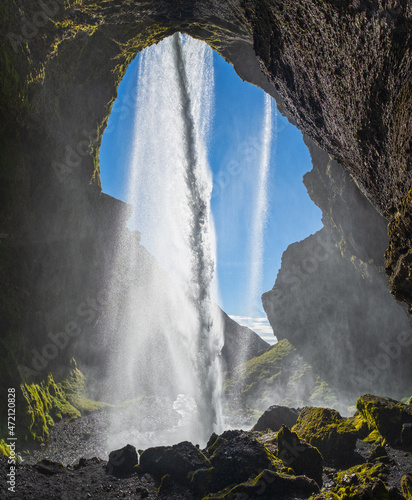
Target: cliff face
{"x": 331, "y": 297}
{"x": 341, "y": 72}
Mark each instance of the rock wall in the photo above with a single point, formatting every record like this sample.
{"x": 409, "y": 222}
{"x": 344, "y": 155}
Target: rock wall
{"x": 340, "y": 71}
{"x": 331, "y": 297}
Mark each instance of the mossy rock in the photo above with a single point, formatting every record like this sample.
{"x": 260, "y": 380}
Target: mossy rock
{"x": 406, "y": 485}
{"x": 385, "y": 415}
{"x": 360, "y": 424}
{"x": 303, "y": 458}
{"x": 46, "y": 403}
{"x": 361, "y": 482}
{"x": 374, "y": 438}
{"x": 325, "y": 429}
{"x": 235, "y": 456}
{"x": 268, "y": 485}
{"x": 4, "y": 449}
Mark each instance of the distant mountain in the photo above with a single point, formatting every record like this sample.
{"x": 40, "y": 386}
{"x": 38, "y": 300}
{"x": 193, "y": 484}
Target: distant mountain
{"x": 241, "y": 343}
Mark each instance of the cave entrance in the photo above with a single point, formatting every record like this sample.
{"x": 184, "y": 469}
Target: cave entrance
{"x": 234, "y": 155}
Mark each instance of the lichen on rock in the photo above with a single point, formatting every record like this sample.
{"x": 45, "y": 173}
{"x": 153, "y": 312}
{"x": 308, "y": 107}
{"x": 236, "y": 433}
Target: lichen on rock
{"x": 325, "y": 429}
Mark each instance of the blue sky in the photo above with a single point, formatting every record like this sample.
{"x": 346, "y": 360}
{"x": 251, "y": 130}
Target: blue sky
{"x": 234, "y": 160}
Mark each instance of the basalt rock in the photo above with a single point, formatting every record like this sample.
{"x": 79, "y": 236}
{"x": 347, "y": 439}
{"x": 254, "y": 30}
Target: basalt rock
{"x": 387, "y": 416}
{"x": 340, "y": 71}
{"x": 268, "y": 485}
{"x": 176, "y": 461}
{"x": 122, "y": 462}
{"x": 303, "y": 458}
{"x": 331, "y": 297}
{"x": 325, "y": 429}
{"x": 276, "y": 416}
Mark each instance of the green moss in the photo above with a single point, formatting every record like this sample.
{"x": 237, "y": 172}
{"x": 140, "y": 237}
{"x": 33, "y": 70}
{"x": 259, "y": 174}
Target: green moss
{"x": 384, "y": 415}
{"x": 325, "y": 429}
{"x": 4, "y": 449}
{"x": 373, "y": 437}
{"x": 166, "y": 484}
{"x": 361, "y": 481}
{"x": 406, "y": 485}
{"x": 360, "y": 424}
{"x": 46, "y": 404}
{"x": 261, "y": 370}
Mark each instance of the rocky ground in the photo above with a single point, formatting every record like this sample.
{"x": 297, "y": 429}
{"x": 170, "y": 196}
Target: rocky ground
{"x": 319, "y": 455}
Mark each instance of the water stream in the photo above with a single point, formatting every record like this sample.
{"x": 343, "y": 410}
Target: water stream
{"x": 165, "y": 360}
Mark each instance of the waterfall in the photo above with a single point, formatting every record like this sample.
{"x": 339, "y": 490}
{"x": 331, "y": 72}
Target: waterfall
{"x": 169, "y": 331}
{"x": 260, "y": 210}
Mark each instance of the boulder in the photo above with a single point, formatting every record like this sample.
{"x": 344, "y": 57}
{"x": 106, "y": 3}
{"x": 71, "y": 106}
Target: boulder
{"x": 235, "y": 456}
{"x": 269, "y": 485}
{"x": 276, "y": 416}
{"x": 325, "y": 429}
{"x": 49, "y": 467}
{"x": 303, "y": 458}
{"x": 385, "y": 415}
{"x": 361, "y": 482}
{"x": 122, "y": 462}
{"x": 177, "y": 461}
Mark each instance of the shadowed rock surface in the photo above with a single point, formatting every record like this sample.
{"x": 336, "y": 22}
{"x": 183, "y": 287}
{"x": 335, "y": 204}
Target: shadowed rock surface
{"x": 260, "y": 465}
{"x": 340, "y": 71}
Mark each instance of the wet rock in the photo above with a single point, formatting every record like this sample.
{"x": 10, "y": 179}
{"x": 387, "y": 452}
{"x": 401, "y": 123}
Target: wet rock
{"x": 177, "y": 461}
{"x": 386, "y": 415}
{"x": 122, "y": 462}
{"x": 276, "y": 416}
{"x": 303, "y": 458}
{"x": 269, "y": 485}
{"x": 325, "y": 429}
{"x": 49, "y": 467}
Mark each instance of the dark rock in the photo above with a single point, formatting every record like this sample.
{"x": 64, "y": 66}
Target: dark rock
{"x": 406, "y": 435}
{"x": 385, "y": 415}
{"x": 235, "y": 457}
{"x": 325, "y": 429}
{"x": 377, "y": 453}
{"x": 359, "y": 483}
{"x": 177, "y": 461}
{"x": 49, "y": 467}
{"x": 352, "y": 341}
{"x": 406, "y": 485}
{"x": 340, "y": 71}
{"x": 303, "y": 458}
{"x": 269, "y": 485}
{"x": 122, "y": 462}
{"x": 210, "y": 442}
{"x": 395, "y": 494}
{"x": 276, "y": 416}
{"x": 166, "y": 484}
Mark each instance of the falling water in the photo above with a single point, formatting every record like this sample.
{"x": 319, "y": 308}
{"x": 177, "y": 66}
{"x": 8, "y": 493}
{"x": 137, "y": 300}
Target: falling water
{"x": 171, "y": 336}
{"x": 260, "y": 210}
